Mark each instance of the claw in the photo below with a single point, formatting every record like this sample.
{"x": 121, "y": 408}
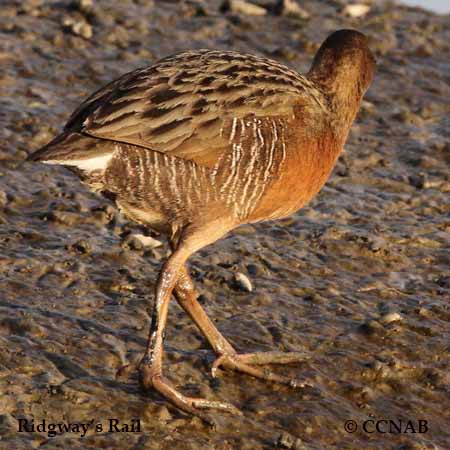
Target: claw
{"x": 124, "y": 372}
{"x": 216, "y": 364}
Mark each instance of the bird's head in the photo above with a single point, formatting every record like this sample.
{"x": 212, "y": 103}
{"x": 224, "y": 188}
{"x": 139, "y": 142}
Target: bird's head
{"x": 344, "y": 65}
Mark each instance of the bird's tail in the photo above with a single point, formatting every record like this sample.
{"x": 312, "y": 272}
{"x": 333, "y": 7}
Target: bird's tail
{"x": 75, "y": 149}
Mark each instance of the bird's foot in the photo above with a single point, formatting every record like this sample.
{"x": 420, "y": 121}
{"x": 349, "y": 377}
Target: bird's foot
{"x": 246, "y": 362}
{"x": 150, "y": 379}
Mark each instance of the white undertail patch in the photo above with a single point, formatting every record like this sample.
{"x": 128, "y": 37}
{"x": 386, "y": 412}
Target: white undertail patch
{"x": 88, "y": 164}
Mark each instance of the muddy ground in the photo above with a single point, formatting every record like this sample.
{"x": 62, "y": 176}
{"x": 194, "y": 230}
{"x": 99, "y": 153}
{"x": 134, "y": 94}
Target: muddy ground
{"x": 359, "y": 280}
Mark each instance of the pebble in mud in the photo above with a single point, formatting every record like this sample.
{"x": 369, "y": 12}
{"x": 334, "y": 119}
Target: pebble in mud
{"x": 291, "y": 8}
{"x": 79, "y": 28}
{"x": 242, "y": 282}
{"x": 356, "y": 10}
{"x": 243, "y": 7}
{"x": 286, "y": 440}
{"x": 84, "y": 5}
{"x": 146, "y": 241}
{"x": 390, "y": 317}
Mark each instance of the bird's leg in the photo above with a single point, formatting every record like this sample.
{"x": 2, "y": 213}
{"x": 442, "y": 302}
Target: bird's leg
{"x": 150, "y": 367}
{"x": 186, "y": 295}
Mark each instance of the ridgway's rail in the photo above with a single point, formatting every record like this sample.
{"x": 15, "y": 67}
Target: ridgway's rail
{"x": 202, "y": 142}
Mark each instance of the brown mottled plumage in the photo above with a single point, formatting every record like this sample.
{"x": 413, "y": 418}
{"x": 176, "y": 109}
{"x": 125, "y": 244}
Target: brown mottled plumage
{"x": 204, "y": 141}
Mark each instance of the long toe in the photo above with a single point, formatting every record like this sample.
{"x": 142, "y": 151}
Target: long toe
{"x": 191, "y": 405}
{"x": 202, "y": 403}
{"x": 273, "y": 357}
{"x": 243, "y": 363}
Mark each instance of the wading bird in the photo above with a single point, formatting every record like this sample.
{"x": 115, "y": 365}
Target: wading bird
{"x": 202, "y": 142}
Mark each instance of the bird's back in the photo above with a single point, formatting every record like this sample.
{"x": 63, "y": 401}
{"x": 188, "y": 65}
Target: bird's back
{"x": 184, "y": 101}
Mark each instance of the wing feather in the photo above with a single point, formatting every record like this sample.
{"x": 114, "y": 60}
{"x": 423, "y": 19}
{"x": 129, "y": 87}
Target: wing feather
{"x": 184, "y": 105}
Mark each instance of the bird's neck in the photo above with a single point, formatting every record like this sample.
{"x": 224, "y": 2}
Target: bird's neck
{"x": 343, "y": 95}
{"x": 343, "y": 112}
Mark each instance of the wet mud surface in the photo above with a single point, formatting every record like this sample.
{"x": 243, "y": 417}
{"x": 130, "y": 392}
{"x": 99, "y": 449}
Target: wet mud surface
{"x": 359, "y": 280}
